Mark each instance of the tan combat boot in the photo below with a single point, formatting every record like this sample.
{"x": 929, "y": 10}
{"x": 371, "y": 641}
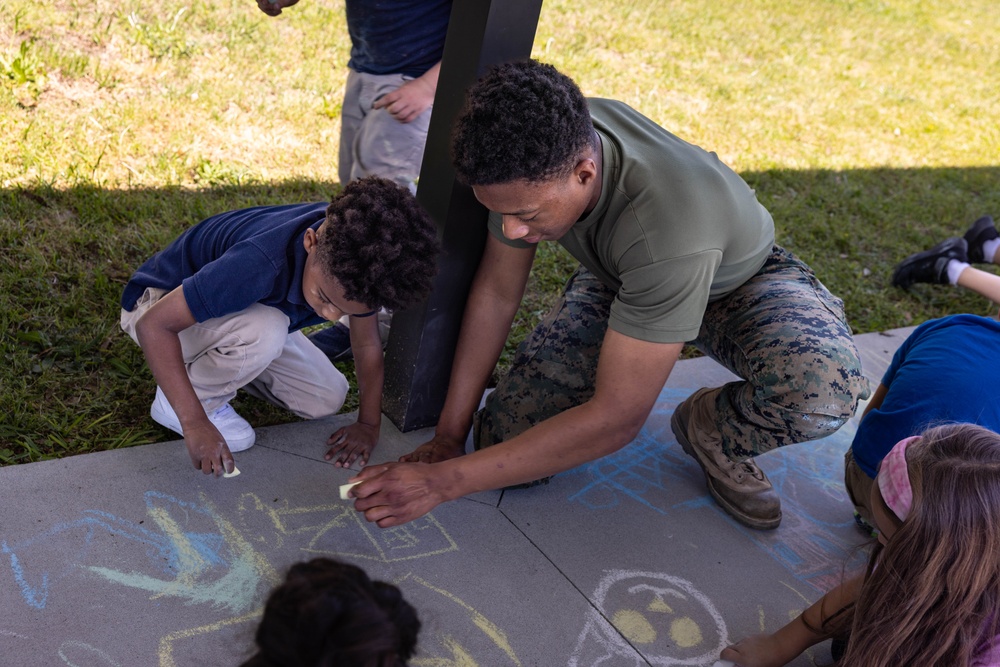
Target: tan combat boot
{"x": 739, "y": 487}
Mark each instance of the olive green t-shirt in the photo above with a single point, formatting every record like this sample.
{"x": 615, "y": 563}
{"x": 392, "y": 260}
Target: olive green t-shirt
{"x": 674, "y": 228}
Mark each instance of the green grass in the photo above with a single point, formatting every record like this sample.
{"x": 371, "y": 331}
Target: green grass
{"x": 867, "y": 127}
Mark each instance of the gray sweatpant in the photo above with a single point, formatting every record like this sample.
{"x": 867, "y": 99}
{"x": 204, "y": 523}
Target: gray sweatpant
{"x": 372, "y": 142}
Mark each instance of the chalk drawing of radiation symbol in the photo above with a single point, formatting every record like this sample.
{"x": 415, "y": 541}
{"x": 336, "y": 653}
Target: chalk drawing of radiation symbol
{"x": 665, "y": 619}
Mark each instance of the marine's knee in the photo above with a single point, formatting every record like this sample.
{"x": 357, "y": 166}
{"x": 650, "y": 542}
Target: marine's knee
{"x": 824, "y": 393}
{"x": 820, "y": 406}
{"x": 815, "y": 425}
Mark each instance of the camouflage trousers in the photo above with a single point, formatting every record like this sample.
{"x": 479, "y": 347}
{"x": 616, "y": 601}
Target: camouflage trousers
{"x": 782, "y": 332}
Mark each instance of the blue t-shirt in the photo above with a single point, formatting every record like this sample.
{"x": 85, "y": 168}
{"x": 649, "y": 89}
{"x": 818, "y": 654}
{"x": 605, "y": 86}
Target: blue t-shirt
{"x": 233, "y": 260}
{"x": 948, "y": 370}
{"x": 396, "y": 36}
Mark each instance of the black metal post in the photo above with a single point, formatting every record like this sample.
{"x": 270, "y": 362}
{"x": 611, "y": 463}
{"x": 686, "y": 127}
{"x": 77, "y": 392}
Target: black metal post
{"x": 422, "y": 339}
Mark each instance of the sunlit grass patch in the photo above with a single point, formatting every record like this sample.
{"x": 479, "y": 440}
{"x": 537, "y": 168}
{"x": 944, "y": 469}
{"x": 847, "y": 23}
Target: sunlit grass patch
{"x": 868, "y": 128}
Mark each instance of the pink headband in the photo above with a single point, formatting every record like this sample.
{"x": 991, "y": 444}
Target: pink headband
{"x": 894, "y": 479}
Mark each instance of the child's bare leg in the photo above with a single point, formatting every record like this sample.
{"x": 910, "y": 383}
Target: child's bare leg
{"x": 981, "y": 282}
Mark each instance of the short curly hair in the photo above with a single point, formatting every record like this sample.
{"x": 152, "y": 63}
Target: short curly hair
{"x": 379, "y": 244}
{"x": 328, "y": 612}
{"x": 522, "y": 121}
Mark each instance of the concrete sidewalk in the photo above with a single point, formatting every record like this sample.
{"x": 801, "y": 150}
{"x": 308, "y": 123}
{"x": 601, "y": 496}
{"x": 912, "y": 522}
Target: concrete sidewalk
{"x": 130, "y": 558}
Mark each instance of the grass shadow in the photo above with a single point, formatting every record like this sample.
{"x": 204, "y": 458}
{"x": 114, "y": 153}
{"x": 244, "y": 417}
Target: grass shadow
{"x": 73, "y": 383}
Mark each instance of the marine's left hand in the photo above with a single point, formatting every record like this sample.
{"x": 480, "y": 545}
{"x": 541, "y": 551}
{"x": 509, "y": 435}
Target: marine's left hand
{"x": 350, "y": 443}
{"x": 408, "y": 101}
{"x": 392, "y": 494}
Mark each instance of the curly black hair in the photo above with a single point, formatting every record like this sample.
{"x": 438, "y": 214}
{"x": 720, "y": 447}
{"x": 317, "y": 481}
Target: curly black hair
{"x": 521, "y": 121}
{"x": 379, "y": 244}
{"x": 330, "y": 614}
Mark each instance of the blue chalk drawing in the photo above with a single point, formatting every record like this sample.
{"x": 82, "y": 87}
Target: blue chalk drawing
{"x": 817, "y": 535}
{"x": 642, "y": 470}
{"x": 195, "y": 555}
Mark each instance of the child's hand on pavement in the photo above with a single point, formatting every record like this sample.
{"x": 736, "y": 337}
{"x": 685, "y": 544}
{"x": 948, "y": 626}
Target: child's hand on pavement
{"x": 408, "y": 101}
{"x": 208, "y": 449}
{"x": 274, "y": 7}
{"x": 350, "y": 443}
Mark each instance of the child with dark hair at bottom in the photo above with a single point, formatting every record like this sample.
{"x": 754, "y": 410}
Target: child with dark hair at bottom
{"x": 222, "y": 308}
{"x": 330, "y": 614}
{"x": 931, "y": 592}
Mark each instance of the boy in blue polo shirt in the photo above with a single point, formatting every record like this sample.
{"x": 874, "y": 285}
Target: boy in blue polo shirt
{"x": 222, "y": 307}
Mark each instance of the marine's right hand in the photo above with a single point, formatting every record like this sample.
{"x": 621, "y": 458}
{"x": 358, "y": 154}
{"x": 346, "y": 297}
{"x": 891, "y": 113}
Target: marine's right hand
{"x": 208, "y": 449}
{"x": 274, "y": 7}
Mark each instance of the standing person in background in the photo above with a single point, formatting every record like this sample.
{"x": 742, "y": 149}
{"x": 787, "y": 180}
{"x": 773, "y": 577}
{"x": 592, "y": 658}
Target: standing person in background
{"x": 396, "y": 48}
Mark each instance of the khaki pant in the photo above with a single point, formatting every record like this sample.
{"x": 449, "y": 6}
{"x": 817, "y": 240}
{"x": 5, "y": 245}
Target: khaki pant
{"x": 253, "y": 349}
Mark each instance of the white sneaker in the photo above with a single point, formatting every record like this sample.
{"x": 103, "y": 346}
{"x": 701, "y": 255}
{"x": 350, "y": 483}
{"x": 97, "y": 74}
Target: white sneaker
{"x": 237, "y": 431}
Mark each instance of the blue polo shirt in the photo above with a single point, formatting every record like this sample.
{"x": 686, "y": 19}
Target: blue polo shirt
{"x": 396, "y": 36}
{"x": 948, "y": 370}
{"x": 233, "y": 260}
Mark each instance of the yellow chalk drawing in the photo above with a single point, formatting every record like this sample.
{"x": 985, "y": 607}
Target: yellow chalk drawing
{"x": 316, "y": 527}
{"x": 166, "y": 649}
{"x": 685, "y": 632}
{"x": 461, "y": 657}
{"x": 659, "y": 604}
{"x": 454, "y": 654}
{"x": 792, "y": 589}
{"x": 634, "y": 626}
{"x": 236, "y": 589}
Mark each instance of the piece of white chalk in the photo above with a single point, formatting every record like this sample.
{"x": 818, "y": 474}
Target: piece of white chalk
{"x": 724, "y": 663}
{"x": 345, "y": 488}
{"x": 234, "y": 473}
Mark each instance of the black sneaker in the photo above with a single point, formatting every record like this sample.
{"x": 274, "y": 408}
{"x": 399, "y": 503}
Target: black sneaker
{"x": 980, "y": 232}
{"x": 930, "y": 266}
{"x": 334, "y": 342}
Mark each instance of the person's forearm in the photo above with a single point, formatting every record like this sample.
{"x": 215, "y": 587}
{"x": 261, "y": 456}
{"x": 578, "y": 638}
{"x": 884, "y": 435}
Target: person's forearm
{"x": 167, "y": 366}
{"x": 430, "y": 77}
{"x": 801, "y": 632}
{"x": 569, "y": 439}
{"x": 369, "y": 367}
{"x": 484, "y": 331}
